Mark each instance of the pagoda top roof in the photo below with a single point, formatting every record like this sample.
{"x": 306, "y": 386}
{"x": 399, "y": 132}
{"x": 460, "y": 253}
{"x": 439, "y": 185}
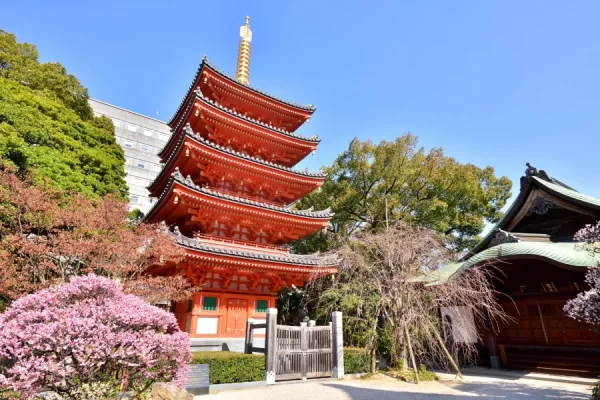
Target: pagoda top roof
{"x": 205, "y": 64}
{"x": 313, "y": 260}
{"x": 176, "y": 176}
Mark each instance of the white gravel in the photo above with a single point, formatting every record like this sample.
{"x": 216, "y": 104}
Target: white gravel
{"x": 384, "y": 388}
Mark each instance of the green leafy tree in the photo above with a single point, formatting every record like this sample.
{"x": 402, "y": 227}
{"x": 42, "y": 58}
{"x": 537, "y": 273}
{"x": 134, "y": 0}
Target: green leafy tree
{"x": 428, "y": 189}
{"x": 46, "y": 124}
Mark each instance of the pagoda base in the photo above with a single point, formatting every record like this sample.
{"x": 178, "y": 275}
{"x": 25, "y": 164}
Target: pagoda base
{"x": 222, "y": 316}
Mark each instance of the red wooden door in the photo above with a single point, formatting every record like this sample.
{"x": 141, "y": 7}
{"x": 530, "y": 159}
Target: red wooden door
{"x": 237, "y": 315}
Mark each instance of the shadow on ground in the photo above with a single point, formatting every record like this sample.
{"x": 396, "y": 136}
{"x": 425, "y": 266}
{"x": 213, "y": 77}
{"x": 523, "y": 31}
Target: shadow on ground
{"x": 500, "y": 390}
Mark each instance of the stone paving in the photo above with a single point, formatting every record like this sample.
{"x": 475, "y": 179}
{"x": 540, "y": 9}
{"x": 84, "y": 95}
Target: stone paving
{"x": 384, "y": 388}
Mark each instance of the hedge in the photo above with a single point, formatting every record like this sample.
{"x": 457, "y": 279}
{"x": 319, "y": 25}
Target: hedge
{"x": 356, "y": 361}
{"x": 230, "y": 367}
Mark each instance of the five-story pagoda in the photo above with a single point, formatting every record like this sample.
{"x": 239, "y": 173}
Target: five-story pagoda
{"x": 226, "y": 189}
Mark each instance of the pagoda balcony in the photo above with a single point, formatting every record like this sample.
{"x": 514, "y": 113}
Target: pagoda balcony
{"x": 245, "y": 196}
{"x": 241, "y": 244}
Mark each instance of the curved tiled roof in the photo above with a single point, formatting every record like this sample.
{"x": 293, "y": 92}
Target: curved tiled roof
{"x": 562, "y": 253}
{"x": 187, "y": 182}
{"x": 544, "y": 181}
{"x": 570, "y": 193}
{"x": 199, "y": 139}
{"x": 221, "y": 73}
{"x": 312, "y": 260}
{"x": 234, "y": 113}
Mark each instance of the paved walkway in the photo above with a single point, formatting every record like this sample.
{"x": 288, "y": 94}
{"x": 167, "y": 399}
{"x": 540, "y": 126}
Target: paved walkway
{"x": 384, "y": 388}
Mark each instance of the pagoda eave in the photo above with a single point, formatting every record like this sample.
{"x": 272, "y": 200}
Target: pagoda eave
{"x": 190, "y": 207}
{"x": 193, "y": 153}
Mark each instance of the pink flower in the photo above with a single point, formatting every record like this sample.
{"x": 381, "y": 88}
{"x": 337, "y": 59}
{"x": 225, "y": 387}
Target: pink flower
{"x": 88, "y": 331}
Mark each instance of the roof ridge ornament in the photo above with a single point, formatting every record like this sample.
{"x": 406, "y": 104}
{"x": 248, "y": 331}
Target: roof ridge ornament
{"x": 531, "y": 172}
{"x": 501, "y": 237}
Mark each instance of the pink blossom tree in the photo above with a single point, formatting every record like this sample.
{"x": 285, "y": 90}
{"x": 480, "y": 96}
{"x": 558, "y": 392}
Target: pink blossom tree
{"x": 586, "y": 306}
{"x": 88, "y": 331}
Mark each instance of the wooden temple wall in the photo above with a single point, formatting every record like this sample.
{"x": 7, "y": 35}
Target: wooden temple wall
{"x": 222, "y": 314}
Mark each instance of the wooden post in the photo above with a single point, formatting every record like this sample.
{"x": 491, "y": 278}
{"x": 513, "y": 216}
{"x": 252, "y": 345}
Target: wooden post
{"x": 303, "y": 348}
{"x": 270, "y": 345}
{"x": 249, "y": 336}
{"x": 337, "y": 345}
{"x": 312, "y": 322}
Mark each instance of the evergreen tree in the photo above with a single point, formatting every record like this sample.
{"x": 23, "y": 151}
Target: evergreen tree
{"x": 46, "y": 124}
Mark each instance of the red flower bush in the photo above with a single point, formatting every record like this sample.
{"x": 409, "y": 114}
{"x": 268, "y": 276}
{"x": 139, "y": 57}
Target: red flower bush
{"x": 88, "y": 331}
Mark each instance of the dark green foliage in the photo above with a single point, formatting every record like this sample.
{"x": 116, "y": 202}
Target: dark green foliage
{"x": 229, "y": 367}
{"x": 46, "y": 124}
{"x": 427, "y": 188}
{"x": 356, "y": 361}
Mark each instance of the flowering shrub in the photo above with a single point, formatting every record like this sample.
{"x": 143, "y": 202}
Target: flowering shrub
{"x": 586, "y": 306}
{"x": 86, "y": 332}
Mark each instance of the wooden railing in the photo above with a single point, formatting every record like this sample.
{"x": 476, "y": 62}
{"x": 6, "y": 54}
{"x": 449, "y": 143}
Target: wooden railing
{"x": 243, "y": 195}
{"x": 238, "y": 243}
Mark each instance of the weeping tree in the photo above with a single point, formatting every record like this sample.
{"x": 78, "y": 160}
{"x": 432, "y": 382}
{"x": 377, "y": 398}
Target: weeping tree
{"x": 388, "y": 279}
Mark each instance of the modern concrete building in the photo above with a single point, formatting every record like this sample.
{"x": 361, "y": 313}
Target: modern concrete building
{"x": 141, "y": 138}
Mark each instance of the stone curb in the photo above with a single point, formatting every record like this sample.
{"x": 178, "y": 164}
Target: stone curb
{"x": 511, "y": 374}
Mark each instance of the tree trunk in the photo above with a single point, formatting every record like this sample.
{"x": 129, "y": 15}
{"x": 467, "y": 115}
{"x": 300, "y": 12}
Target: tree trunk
{"x": 373, "y": 360}
{"x": 441, "y": 342}
{"x": 412, "y": 356}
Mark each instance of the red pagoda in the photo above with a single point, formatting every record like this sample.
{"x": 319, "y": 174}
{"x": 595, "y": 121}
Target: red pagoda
{"x": 226, "y": 189}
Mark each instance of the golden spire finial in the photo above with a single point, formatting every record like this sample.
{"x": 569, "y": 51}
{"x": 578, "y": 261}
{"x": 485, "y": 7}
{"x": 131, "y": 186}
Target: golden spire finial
{"x": 242, "y": 74}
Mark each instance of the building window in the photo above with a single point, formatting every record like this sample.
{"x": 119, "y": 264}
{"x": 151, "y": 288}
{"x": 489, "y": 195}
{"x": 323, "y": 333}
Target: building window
{"x": 147, "y": 132}
{"x": 141, "y": 164}
{"x": 190, "y": 305}
{"x": 261, "y": 306}
{"x": 134, "y": 199}
{"x": 209, "y": 303}
{"x": 145, "y": 147}
{"x": 116, "y": 122}
{"x": 132, "y": 128}
{"x": 163, "y": 137}
{"x": 128, "y": 143}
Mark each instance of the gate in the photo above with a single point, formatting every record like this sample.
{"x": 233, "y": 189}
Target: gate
{"x": 302, "y": 352}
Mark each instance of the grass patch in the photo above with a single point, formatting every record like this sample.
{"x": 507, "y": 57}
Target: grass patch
{"x": 409, "y": 375}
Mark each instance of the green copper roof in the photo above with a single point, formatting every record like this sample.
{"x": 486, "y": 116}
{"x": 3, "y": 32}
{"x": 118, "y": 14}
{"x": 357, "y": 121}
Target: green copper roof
{"x": 563, "y": 253}
{"x": 572, "y": 194}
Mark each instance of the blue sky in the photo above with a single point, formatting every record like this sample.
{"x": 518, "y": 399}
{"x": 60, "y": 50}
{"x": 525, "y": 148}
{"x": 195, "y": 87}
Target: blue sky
{"x": 497, "y": 83}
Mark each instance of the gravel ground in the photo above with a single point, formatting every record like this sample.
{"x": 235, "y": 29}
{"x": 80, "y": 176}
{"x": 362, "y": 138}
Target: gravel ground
{"x": 385, "y": 388}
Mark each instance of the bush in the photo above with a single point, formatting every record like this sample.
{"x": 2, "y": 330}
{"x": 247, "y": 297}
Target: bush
{"x": 87, "y": 332}
{"x": 356, "y": 361}
{"x": 229, "y": 367}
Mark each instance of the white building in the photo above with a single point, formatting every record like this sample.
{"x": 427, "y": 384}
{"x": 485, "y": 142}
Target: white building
{"x": 141, "y": 138}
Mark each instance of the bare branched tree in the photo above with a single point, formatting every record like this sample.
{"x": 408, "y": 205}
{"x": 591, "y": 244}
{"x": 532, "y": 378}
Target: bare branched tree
{"x": 389, "y": 279}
